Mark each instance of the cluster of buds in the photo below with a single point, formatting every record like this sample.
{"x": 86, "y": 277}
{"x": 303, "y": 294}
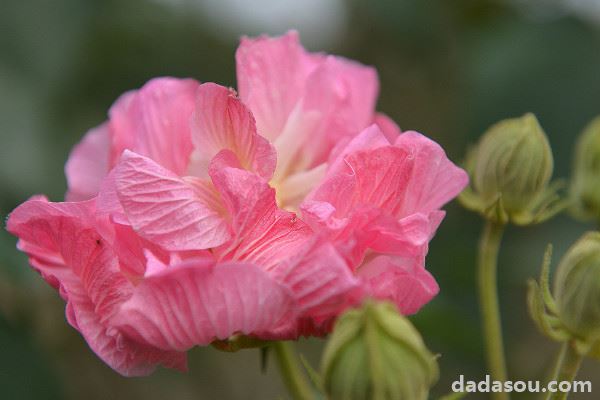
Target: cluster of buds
{"x": 510, "y": 170}
{"x": 572, "y": 312}
{"x": 376, "y": 353}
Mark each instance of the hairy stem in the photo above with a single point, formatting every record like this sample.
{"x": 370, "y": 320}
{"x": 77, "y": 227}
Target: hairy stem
{"x": 291, "y": 373}
{"x": 488, "y": 299}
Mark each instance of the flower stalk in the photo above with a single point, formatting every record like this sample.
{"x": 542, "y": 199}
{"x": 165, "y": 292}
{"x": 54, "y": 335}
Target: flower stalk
{"x": 488, "y": 299}
{"x": 290, "y": 371}
{"x": 566, "y": 369}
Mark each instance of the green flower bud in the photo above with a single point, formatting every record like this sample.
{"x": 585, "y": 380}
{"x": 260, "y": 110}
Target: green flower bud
{"x": 514, "y": 159}
{"x": 510, "y": 171}
{"x": 577, "y": 289}
{"x": 585, "y": 183}
{"x": 375, "y": 353}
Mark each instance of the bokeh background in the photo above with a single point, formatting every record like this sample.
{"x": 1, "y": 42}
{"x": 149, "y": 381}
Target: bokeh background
{"x": 447, "y": 68}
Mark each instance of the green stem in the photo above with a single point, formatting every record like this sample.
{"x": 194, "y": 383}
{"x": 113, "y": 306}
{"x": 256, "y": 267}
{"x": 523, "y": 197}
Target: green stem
{"x": 488, "y": 299}
{"x": 567, "y": 368}
{"x": 291, "y": 373}
{"x": 558, "y": 365}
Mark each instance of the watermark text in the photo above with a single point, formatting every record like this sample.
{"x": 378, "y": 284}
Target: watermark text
{"x": 492, "y": 386}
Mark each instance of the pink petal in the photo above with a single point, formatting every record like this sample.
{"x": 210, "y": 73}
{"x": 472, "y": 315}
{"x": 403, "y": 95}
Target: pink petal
{"x": 379, "y": 177}
{"x": 320, "y": 280}
{"x": 198, "y": 301}
{"x": 271, "y": 76}
{"x": 370, "y": 138}
{"x": 64, "y": 233}
{"x": 389, "y": 128}
{"x": 343, "y": 93}
{"x": 72, "y": 255}
{"x": 220, "y": 121}
{"x": 405, "y": 236}
{"x": 107, "y": 202}
{"x": 165, "y": 209}
{"x": 88, "y": 164}
{"x": 122, "y": 125}
{"x": 305, "y": 103}
{"x": 35, "y": 223}
{"x": 263, "y": 233}
{"x": 370, "y": 228}
{"x": 132, "y": 251}
{"x": 435, "y": 180}
{"x": 124, "y": 355}
{"x": 154, "y": 122}
{"x": 383, "y": 197}
{"x": 412, "y": 176}
{"x": 402, "y": 280}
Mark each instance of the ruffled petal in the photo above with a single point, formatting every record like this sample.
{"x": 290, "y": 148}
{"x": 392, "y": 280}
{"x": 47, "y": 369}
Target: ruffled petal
{"x": 388, "y": 127}
{"x": 199, "y": 301}
{"x": 434, "y": 179}
{"x": 123, "y": 131}
{"x": 320, "y": 280}
{"x": 88, "y": 164}
{"x": 40, "y": 225}
{"x": 343, "y": 94}
{"x": 370, "y": 138}
{"x": 271, "y": 74}
{"x": 379, "y": 178}
{"x": 132, "y": 251}
{"x": 403, "y": 281}
{"x": 303, "y": 102}
{"x": 66, "y": 248}
{"x": 124, "y": 355}
{"x": 107, "y": 201}
{"x": 413, "y": 175}
{"x": 174, "y": 213}
{"x": 371, "y": 228}
{"x": 220, "y": 121}
{"x": 154, "y": 122}
{"x": 262, "y": 233}
{"x": 383, "y": 197}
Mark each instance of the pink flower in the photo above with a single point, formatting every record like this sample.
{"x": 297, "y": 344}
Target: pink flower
{"x": 180, "y": 225}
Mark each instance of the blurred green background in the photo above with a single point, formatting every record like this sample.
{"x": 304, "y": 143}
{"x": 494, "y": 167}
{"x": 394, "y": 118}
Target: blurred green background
{"x": 447, "y": 68}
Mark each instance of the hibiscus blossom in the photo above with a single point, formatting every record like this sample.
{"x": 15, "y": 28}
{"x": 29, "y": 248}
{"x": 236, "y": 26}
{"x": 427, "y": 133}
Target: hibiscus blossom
{"x": 193, "y": 215}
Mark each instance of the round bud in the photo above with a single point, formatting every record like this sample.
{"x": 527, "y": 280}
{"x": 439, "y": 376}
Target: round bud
{"x": 513, "y": 165}
{"x": 577, "y": 288}
{"x": 375, "y": 353}
{"x": 585, "y": 182}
